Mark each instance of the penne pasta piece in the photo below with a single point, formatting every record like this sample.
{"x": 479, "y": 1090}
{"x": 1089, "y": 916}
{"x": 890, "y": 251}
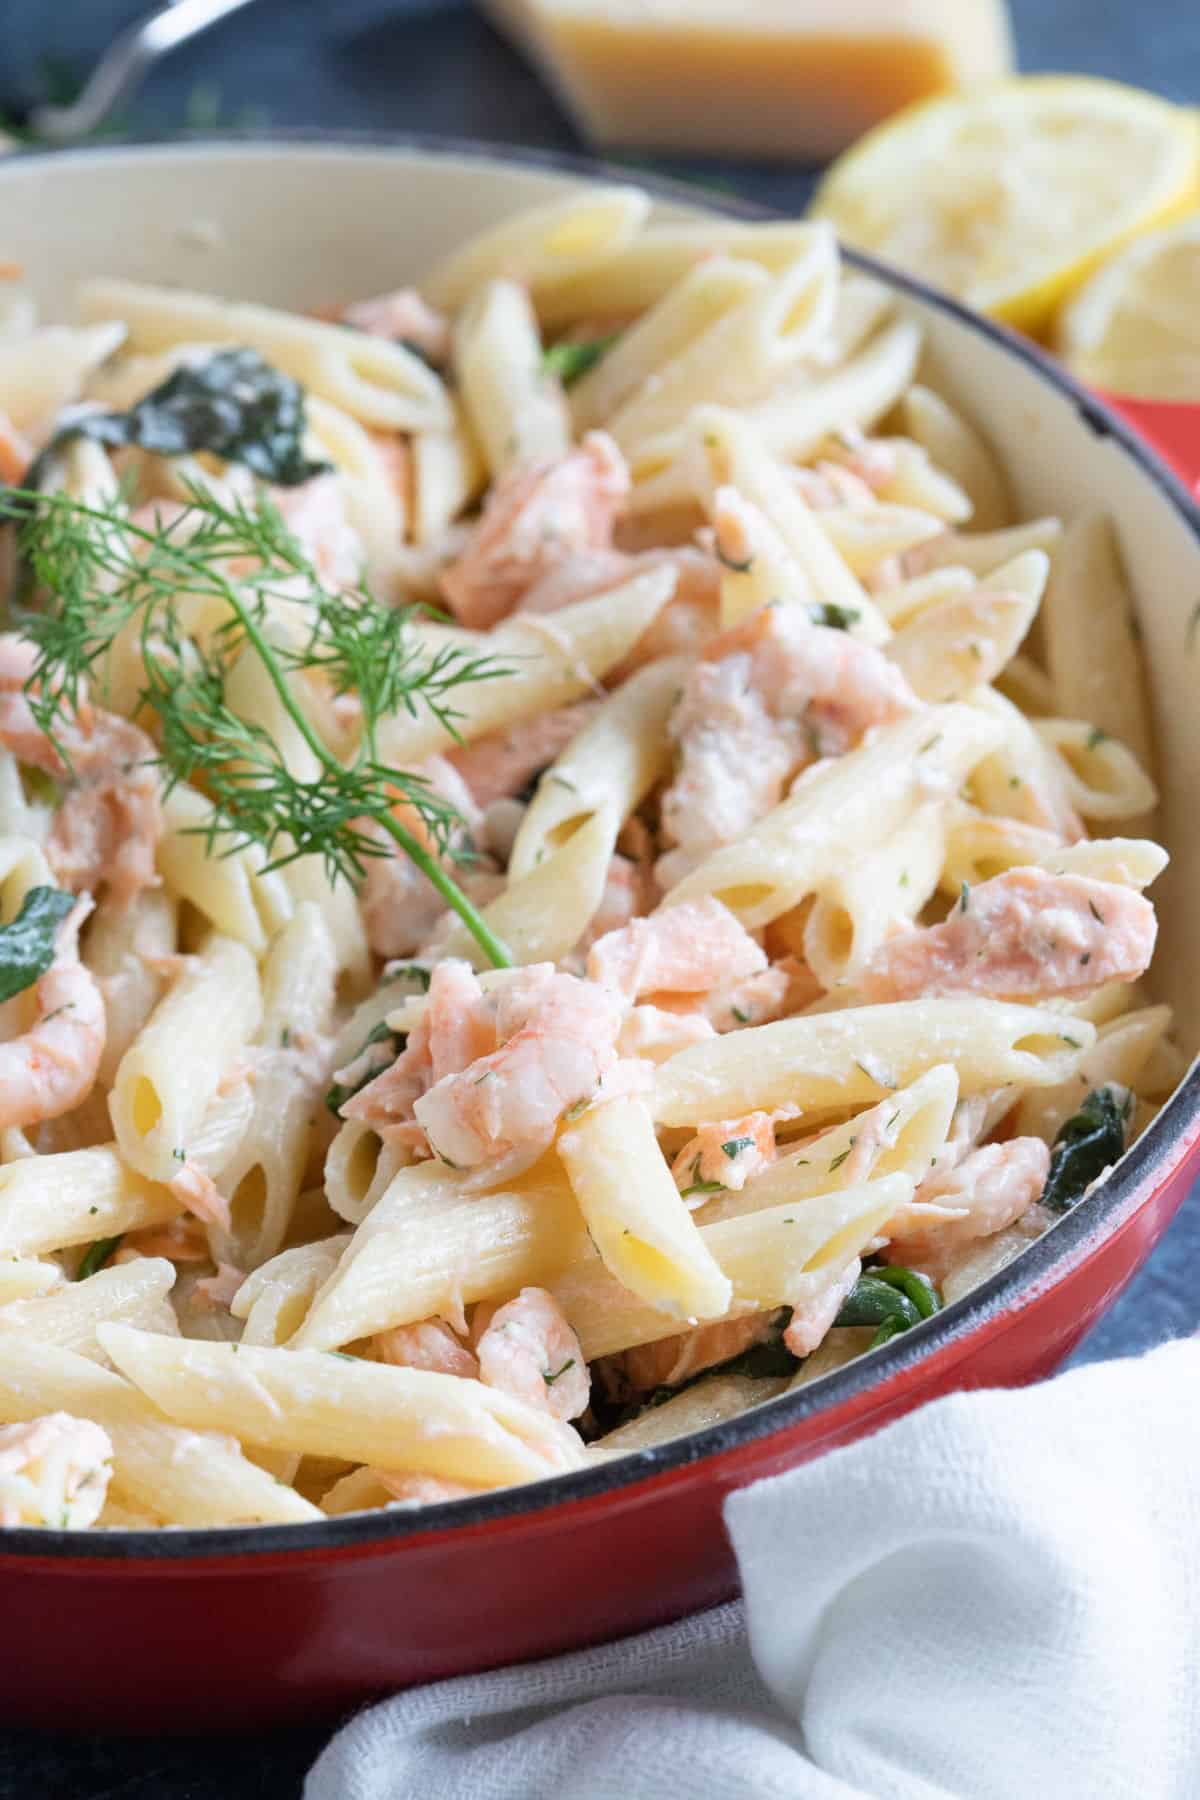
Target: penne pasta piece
{"x": 169, "y": 1076}
{"x": 1103, "y": 779}
{"x": 564, "y": 240}
{"x": 966, "y": 641}
{"x": 448, "y": 476}
{"x": 180, "y": 1476}
{"x": 709, "y": 1401}
{"x": 44, "y": 370}
{"x": 1134, "y": 862}
{"x": 376, "y": 506}
{"x": 854, "y": 1057}
{"x": 1120, "y": 1053}
{"x": 904, "y": 1134}
{"x": 122, "y": 946}
{"x": 607, "y": 770}
{"x": 869, "y": 896}
{"x": 359, "y": 1168}
{"x": 21, "y": 1278}
{"x": 517, "y": 410}
{"x": 984, "y": 551}
{"x": 1023, "y": 779}
{"x": 541, "y": 916}
{"x": 740, "y": 356}
{"x": 958, "y": 449}
{"x": 840, "y": 807}
{"x": 274, "y": 1299}
{"x": 429, "y": 1247}
{"x": 635, "y": 1214}
{"x": 1093, "y": 656}
{"x": 95, "y": 1195}
{"x": 905, "y": 601}
{"x": 232, "y": 887}
{"x": 726, "y": 451}
{"x": 377, "y": 381}
{"x": 630, "y": 277}
{"x": 133, "y": 1293}
{"x": 706, "y": 293}
{"x": 864, "y": 535}
{"x": 547, "y": 662}
{"x": 764, "y": 1254}
{"x": 265, "y": 1173}
{"x": 297, "y": 1400}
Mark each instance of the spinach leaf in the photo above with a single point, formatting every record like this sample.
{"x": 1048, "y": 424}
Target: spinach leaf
{"x": 27, "y": 945}
{"x": 390, "y": 1047}
{"x": 233, "y": 404}
{"x": 570, "y": 361}
{"x": 1086, "y": 1145}
{"x": 890, "y": 1297}
{"x": 96, "y": 1255}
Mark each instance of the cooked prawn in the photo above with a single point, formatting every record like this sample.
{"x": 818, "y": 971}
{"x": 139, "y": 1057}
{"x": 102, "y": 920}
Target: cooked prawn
{"x": 557, "y": 1041}
{"x": 1025, "y": 933}
{"x": 687, "y": 949}
{"x": 654, "y": 1033}
{"x": 430, "y": 1344}
{"x": 52, "y": 1067}
{"x": 988, "y": 1191}
{"x": 107, "y": 828}
{"x": 533, "y": 519}
{"x": 529, "y": 1350}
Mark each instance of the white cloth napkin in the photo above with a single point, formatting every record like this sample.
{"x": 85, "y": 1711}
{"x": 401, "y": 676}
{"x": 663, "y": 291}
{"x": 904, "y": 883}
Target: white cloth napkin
{"x": 995, "y": 1598}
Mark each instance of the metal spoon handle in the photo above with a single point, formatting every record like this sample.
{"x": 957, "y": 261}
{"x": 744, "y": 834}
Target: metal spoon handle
{"x": 125, "y": 64}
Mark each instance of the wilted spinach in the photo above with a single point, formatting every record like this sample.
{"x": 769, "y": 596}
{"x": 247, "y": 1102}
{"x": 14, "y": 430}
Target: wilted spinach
{"x": 27, "y": 945}
{"x": 233, "y": 404}
{"x": 890, "y": 1297}
{"x": 571, "y": 361}
{"x": 1086, "y": 1145}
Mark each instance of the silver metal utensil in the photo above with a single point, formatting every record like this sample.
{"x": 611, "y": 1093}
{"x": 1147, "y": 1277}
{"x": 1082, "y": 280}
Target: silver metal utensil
{"x": 125, "y": 65}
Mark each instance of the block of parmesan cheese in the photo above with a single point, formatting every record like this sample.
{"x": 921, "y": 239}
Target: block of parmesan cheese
{"x": 795, "y": 79}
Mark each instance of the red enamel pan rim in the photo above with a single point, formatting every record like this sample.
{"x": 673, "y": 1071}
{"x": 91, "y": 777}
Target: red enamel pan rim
{"x": 1161, "y": 1152}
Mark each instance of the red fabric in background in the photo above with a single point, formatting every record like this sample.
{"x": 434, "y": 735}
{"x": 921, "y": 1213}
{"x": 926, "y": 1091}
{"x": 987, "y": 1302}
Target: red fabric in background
{"x": 1170, "y": 427}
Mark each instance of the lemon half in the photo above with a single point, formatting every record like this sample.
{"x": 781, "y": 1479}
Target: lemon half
{"x": 1135, "y": 326}
{"x": 1009, "y": 195}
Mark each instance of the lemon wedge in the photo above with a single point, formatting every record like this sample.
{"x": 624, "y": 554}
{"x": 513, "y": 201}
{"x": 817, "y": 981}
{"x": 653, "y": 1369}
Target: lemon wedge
{"x": 1010, "y": 195}
{"x": 1135, "y": 326}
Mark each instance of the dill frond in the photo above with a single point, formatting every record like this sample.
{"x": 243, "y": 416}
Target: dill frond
{"x": 95, "y": 575}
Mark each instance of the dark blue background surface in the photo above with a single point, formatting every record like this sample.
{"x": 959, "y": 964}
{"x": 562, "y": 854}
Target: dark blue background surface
{"x": 432, "y": 66}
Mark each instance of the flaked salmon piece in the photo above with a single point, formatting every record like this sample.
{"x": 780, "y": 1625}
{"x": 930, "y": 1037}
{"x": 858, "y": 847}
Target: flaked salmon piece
{"x": 430, "y": 1344}
{"x": 460, "y": 1019}
{"x": 557, "y": 1040}
{"x": 987, "y": 1192}
{"x": 675, "y": 1359}
{"x": 315, "y": 514}
{"x": 727, "y": 1153}
{"x": 216, "y": 1293}
{"x": 503, "y": 764}
{"x": 687, "y": 949}
{"x": 533, "y": 519}
{"x": 1023, "y": 933}
{"x": 404, "y": 316}
{"x": 530, "y": 1351}
{"x": 654, "y": 1033}
{"x": 757, "y": 1000}
{"x": 196, "y": 1189}
{"x": 814, "y": 1312}
{"x": 628, "y": 893}
{"x": 767, "y": 699}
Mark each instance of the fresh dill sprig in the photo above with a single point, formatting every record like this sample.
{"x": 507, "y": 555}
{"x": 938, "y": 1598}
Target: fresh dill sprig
{"x": 199, "y": 591}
